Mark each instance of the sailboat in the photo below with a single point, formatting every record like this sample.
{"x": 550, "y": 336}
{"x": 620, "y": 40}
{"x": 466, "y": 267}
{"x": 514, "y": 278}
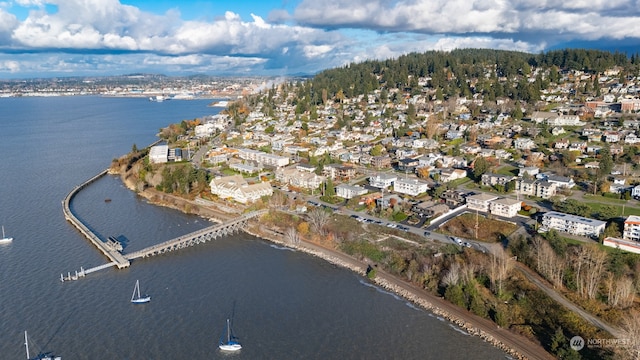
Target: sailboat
{"x": 41, "y": 356}
{"x": 231, "y": 344}
{"x": 136, "y": 298}
{"x": 4, "y": 238}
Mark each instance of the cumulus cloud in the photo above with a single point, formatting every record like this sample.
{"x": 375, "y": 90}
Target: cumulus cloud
{"x": 78, "y": 35}
{"x": 581, "y": 19}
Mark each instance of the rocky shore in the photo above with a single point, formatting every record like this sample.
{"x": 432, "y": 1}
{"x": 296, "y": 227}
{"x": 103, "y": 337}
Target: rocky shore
{"x": 417, "y": 296}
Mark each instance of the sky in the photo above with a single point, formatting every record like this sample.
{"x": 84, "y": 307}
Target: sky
{"x": 53, "y": 38}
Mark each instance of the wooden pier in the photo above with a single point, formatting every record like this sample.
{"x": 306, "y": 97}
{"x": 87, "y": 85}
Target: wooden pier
{"x": 197, "y": 237}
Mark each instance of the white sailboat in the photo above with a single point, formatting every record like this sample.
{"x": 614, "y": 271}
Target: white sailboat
{"x": 230, "y": 344}
{"x": 41, "y": 356}
{"x": 136, "y": 298}
{"x": 5, "y": 239}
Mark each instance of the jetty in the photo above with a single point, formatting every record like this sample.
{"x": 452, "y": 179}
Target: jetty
{"x": 112, "y": 248}
{"x": 107, "y": 249}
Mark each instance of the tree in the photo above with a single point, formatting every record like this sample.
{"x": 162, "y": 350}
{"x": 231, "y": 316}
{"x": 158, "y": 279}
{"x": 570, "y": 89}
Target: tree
{"x": 318, "y": 218}
{"x": 376, "y": 150}
{"x": 606, "y": 162}
{"x": 292, "y": 237}
{"x": 480, "y": 166}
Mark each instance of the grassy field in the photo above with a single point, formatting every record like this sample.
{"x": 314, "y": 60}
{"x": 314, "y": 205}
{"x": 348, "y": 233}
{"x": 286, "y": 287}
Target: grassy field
{"x": 628, "y": 210}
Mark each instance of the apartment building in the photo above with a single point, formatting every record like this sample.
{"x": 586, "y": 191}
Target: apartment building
{"x": 632, "y": 228}
{"x": 347, "y": 191}
{"x": 573, "y": 224}
{"x": 505, "y": 207}
{"x": 236, "y": 187}
{"x": 480, "y": 202}
{"x": 412, "y": 187}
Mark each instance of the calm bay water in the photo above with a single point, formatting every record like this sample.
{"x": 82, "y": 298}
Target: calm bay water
{"x": 284, "y": 304}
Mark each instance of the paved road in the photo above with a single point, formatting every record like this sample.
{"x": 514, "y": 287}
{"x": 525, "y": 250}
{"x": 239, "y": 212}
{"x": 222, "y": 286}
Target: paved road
{"x": 549, "y": 290}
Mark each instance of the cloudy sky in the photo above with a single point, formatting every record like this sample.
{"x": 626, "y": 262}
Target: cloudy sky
{"x": 41, "y": 38}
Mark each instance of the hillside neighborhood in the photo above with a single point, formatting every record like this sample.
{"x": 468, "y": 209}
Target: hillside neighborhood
{"x": 455, "y": 186}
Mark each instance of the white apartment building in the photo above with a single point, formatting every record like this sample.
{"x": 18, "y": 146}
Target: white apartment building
{"x": 480, "y": 202}
{"x": 236, "y": 187}
{"x": 263, "y": 158}
{"x": 412, "y": 187}
{"x": 505, "y": 207}
{"x": 576, "y": 225}
{"x": 347, "y": 191}
{"x": 632, "y": 228}
{"x": 299, "y": 178}
{"x": 159, "y": 154}
{"x": 382, "y": 181}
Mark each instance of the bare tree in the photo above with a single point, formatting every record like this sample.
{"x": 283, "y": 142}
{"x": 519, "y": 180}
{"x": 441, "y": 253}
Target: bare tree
{"x": 452, "y": 277}
{"x": 318, "y": 218}
{"x": 620, "y": 292}
{"x": 499, "y": 268}
{"x": 292, "y": 236}
{"x": 548, "y": 263}
{"x": 278, "y": 199}
{"x": 631, "y": 330}
{"x": 589, "y": 266}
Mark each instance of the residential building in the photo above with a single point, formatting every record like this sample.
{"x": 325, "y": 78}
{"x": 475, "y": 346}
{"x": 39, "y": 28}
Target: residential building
{"x": 447, "y": 175}
{"x": 339, "y": 172}
{"x": 429, "y": 209}
{"x": 632, "y": 228}
{"x": 480, "y": 202}
{"x": 410, "y": 186}
{"x": 538, "y": 188}
{"x": 347, "y": 191}
{"x": 524, "y": 144}
{"x": 236, "y": 187}
{"x": 505, "y": 207}
{"x": 490, "y": 179}
{"x": 626, "y": 245}
{"x": 382, "y": 181}
{"x": 263, "y": 158}
{"x": 453, "y": 198}
{"x": 159, "y": 154}
{"x": 635, "y": 191}
{"x": 529, "y": 170}
{"x": 299, "y": 178}
{"x": 573, "y": 224}
{"x": 381, "y": 162}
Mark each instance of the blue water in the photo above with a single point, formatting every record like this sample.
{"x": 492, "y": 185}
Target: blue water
{"x": 283, "y": 304}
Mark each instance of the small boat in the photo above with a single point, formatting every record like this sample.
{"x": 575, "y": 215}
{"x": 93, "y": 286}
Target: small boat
{"x": 136, "y": 298}
{"x": 5, "y": 239}
{"x": 40, "y": 356}
{"x": 230, "y": 344}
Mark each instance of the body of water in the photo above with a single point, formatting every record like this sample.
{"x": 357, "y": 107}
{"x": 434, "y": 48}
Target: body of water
{"x": 283, "y": 304}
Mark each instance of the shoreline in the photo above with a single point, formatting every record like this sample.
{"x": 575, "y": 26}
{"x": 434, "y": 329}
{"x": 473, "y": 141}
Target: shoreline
{"x": 512, "y": 344}
{"x": 470, "y": 323}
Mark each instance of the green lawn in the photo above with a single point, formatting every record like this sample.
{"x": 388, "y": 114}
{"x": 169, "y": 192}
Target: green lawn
{"x": 628, "y": 210}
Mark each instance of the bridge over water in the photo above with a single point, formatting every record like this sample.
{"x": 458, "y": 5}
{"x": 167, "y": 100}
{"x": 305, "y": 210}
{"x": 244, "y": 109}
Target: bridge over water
{"x": 197, "y": 237}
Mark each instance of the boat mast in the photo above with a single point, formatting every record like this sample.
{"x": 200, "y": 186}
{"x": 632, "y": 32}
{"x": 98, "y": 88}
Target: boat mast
{"x": 26, "y": 342}
{"x": 228, "y": 332}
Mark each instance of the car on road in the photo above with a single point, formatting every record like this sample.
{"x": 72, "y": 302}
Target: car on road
{"x": 427, "y": 233}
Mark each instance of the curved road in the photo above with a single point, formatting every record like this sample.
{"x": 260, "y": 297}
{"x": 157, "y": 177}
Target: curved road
{"x": 549, "y": 290}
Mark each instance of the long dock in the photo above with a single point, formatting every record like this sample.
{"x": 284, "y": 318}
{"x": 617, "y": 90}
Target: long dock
{"x": 114, "y": 256}
{"x": 196, "y": 237}
{"x": 123, "y": 261}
